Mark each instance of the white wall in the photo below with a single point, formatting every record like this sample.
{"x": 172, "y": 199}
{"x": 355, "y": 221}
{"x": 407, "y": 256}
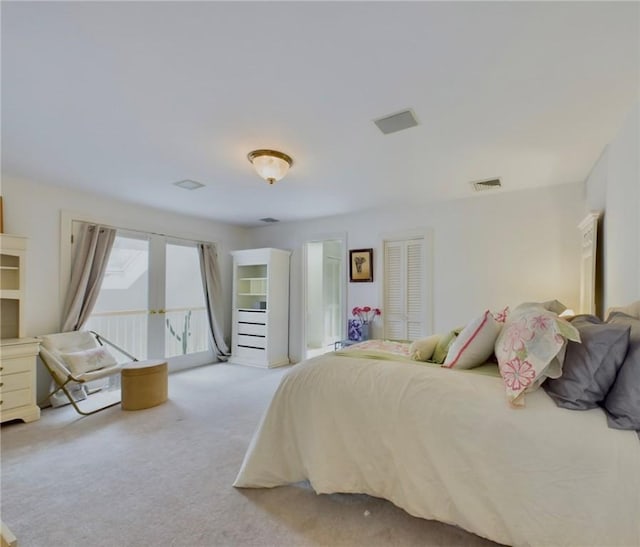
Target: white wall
{"x": 614, "y": 187}
{"x": 596, "y": 184}
{"x": 489, "y": 251}
{"x": 34, "y": 210}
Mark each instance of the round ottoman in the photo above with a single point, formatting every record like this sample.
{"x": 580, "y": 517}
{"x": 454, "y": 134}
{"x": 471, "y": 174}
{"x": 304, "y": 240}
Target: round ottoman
{"x": 144, "y": 384}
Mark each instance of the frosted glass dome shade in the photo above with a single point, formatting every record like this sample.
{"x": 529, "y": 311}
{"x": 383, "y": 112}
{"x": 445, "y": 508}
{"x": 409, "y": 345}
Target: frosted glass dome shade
{"x": 271, "y": 165}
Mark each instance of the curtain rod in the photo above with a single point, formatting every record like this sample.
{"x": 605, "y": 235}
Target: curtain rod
{"x": 146, "y": 232}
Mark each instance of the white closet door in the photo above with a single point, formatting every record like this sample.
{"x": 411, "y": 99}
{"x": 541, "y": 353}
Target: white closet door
{"x": 404, "y": 289}
{"x": 416, "y": 277}
{"x": 394, "y": 291}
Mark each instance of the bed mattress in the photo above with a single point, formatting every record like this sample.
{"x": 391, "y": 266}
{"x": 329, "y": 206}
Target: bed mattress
{"x": 445, "y": 445}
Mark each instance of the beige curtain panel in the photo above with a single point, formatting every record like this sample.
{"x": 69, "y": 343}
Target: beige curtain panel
{"x": 87, "y": 271}
{"x": 212, "y": 284}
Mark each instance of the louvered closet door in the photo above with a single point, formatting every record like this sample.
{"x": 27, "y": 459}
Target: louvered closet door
{"x": 404, "y": 289}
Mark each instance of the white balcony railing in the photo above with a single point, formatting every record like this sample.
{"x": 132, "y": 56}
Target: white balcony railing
{"x": 186, "y": 330}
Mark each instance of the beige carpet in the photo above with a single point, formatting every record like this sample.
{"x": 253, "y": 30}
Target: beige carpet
{"x": 162, "y": 477}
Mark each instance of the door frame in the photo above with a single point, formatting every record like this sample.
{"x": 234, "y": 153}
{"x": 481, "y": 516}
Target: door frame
{"x": 321, "y": 238}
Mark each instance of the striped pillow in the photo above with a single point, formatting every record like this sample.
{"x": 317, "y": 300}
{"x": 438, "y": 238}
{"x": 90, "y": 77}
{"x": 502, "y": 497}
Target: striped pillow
{"x": 474, "y": 345}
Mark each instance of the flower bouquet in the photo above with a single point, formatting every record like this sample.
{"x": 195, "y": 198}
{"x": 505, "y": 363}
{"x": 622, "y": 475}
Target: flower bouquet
{"x": 359, "y": 327}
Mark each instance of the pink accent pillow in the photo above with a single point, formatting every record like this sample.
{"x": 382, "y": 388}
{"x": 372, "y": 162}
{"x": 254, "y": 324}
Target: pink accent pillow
{"x": 474, "y": 345}
{"x": 501, "y": 316}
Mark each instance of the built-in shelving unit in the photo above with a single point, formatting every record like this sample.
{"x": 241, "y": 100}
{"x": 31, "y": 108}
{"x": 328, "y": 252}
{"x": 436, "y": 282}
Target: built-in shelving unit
{"x": 17, "y": 353}
{"x": 11, "y": 286}
{"x": 260, "y": 334}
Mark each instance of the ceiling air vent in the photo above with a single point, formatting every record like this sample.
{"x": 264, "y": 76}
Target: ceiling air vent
{"x": 188, "y": 184}
{"x": 396, "y": 122}
{"x": 269, "y": 220}
{"x": 489, "y": 184}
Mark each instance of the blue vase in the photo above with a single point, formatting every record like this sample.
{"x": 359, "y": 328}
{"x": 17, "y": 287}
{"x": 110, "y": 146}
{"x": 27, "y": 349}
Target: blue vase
{"x": 354, "y": 330}
{"x": 358, "y": 330}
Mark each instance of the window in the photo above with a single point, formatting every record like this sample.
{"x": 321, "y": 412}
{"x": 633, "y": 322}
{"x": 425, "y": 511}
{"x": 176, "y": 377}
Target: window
{"x": 186, "y": 325}
{"x": 121, "y": 312}
{"x": 151, "y": 301}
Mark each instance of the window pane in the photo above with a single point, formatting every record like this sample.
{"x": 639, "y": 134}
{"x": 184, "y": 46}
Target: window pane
{"x": 187, "y": 329}
{"x": 121, "y": 310}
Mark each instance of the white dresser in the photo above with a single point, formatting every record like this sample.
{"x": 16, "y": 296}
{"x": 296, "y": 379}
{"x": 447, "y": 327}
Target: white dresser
{"x": 260, "y": 333}
{"x": 17, "y": 353}
{"x": 18, "y": 379}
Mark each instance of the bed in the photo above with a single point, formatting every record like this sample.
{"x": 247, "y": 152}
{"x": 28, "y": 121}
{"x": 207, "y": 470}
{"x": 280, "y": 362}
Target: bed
{"x": 443, "y": 444}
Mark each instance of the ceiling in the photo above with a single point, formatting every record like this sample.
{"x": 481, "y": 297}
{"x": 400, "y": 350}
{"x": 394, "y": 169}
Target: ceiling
{"x": 125, "y": 98}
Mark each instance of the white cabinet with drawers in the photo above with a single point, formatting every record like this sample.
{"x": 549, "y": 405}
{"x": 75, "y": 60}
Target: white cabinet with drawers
{"x": 18, "y": 379}
{"x": 260, "y": 335}
{"x": 17, "y": 354}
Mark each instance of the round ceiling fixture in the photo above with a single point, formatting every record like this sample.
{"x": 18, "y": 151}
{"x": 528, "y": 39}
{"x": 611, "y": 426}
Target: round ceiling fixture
{"x": 271, "y": 165}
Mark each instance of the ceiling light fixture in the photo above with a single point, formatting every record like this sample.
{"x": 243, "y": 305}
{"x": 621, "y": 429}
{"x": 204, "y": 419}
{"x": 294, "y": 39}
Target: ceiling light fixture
{"x": 271, "y": 165}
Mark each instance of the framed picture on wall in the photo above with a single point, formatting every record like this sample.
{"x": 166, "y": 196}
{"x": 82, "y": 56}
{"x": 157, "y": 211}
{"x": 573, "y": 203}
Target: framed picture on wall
{"x": 361, "y": 265}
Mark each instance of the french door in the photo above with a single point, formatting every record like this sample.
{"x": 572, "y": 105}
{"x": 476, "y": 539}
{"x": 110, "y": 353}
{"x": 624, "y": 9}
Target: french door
{"x": 151, "y": 302}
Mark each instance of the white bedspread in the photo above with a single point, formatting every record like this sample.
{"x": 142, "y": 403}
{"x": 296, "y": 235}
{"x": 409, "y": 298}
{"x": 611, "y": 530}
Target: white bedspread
{"x": 444, "y": 445}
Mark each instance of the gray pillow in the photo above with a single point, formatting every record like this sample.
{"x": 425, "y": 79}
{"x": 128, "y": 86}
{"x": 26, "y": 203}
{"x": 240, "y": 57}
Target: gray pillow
{"x": 590, "y": 367}
{"x": 623, "y": 401}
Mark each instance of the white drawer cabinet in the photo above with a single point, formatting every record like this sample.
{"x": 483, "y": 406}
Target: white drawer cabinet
{"x": 252, "y": 329}
{"x": 244, "y": 355}
{"x": 18, "y": 379}
{"x": 260, "y": 335}
{"x": 17, "y": 354}
{"x": 252, "y": 341}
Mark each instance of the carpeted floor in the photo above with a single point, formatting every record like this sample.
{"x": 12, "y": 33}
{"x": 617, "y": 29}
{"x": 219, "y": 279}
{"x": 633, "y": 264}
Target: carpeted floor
{"x": 162, "y": 477}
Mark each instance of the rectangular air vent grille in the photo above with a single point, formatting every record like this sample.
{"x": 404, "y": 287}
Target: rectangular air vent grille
{"x": 188, "y": 184}
{"x": 489, "y": 184}
{"x": 396, "y": 122}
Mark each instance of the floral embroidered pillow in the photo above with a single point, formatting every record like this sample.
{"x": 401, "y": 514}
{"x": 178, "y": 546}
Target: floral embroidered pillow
{"x": 502, "y": 315}
{"x": 531, "y": 348}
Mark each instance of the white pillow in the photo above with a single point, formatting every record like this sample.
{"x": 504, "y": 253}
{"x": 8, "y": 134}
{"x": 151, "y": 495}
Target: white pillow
{"x": 474, "y": 345}
{"x": 88, "y": 360}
